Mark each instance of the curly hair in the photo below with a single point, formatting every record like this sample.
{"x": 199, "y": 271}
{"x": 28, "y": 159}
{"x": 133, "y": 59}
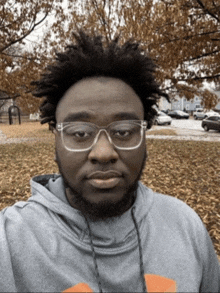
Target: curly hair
{"x": 88, "y": 57}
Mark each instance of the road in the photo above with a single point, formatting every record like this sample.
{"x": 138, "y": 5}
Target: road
{"x": 189, "y": 124}
{"x": 187, "y": 129}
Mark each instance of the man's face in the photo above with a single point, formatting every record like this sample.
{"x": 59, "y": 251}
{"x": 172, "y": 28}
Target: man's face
{"x": 100, "y": 100}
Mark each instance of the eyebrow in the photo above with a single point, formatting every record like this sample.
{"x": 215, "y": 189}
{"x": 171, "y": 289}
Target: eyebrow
{"x": 126, "y": 116}
{"x": 79, "y": 116}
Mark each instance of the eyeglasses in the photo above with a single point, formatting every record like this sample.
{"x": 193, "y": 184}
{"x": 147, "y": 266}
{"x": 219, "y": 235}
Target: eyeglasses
{"x": 82, "y": 136}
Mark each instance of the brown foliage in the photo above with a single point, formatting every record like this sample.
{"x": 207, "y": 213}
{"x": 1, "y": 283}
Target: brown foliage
{"x": 189, "y": 171}
{"x": 20, "y": 65}
{"x": 182, "y": 37}
{"x": 27, "y": 130}
{"x": 161, "y": 132}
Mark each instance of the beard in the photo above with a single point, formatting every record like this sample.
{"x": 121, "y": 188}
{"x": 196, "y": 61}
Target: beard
{"x": 104, "y": 209}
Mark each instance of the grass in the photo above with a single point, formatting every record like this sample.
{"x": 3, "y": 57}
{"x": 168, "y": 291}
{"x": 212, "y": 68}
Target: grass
{"x": 161, "y": 132}
{"x": 187, "y": 170}
{"x": 26, "y": 130}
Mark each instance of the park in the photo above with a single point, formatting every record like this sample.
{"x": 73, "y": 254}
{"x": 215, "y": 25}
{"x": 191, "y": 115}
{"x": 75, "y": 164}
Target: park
{"x": 81, "y": 84}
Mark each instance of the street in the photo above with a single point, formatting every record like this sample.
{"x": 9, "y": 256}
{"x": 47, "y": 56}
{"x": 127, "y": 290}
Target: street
{"x": 187, "y": 129}
{"x": 187, "y": 124}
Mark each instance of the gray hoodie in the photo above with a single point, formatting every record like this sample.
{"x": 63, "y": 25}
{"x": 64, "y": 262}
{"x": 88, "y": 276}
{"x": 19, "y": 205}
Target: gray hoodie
{"x": 47, "y": 246}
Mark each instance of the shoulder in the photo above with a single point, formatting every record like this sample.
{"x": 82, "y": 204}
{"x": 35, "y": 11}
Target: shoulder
{"x": 174, "y": 216}
{"x": 166, "y": 203}
{"x": 171, "y": 216}
{"x": 174, "y": 207}
{"x": 169, "y": 210}
{"x": 21, "y": 217}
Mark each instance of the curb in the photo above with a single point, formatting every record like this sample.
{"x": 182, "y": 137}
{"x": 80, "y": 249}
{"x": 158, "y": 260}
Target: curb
{"x": 181, "y": 137}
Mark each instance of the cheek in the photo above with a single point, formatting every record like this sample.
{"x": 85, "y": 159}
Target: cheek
{"x": 69, "y": 162}
{"x": 135, "y": 159}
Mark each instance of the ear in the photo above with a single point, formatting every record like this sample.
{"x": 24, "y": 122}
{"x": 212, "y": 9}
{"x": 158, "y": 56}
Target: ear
{"x": 54, "y": 131}
{"x": 55, "y": 158}
{"x": 52, "y": 128}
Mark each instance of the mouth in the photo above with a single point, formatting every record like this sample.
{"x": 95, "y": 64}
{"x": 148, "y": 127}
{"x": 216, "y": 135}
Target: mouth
{"x": 104, "y": 180}
{"x": 104, "y": 183}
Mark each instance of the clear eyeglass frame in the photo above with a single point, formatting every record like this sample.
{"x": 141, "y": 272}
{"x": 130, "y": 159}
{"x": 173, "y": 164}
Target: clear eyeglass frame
{"x": 60, "y": 126}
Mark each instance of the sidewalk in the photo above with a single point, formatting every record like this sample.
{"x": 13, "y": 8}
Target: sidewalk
{"x": 4, "y": 139}
{"x": 186, "y": 134}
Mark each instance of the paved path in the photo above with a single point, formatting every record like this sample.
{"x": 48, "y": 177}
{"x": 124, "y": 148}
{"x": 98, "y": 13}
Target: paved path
{"x": 186, "y": 134}
{"x": 4, "y": 139}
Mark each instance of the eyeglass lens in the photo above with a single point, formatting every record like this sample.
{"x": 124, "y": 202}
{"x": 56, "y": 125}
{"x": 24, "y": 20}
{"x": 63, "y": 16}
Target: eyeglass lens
{"x": 81, "y": 135}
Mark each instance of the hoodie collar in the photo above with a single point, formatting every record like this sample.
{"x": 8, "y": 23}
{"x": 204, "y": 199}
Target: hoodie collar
{"x": 49, "y": 191}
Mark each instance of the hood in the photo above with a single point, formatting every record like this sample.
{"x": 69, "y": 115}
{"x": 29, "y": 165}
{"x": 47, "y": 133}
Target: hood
{"x": 49, "y": 191}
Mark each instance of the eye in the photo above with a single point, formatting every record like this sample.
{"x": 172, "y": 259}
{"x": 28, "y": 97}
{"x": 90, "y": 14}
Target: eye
{"x": 125, "y": 131}
{"x": 122, "y": 133}
{"x": 80, "y": 134}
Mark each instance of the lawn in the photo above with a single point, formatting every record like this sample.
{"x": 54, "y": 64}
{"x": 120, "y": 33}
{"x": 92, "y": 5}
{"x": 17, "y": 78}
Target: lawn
{"x": 187, "y": 170}
{"x": 26, "y": 130}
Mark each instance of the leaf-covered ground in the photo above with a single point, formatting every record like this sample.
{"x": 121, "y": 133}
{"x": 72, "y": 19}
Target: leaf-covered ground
{"x": 26, "y": 130}
{"x": 190, "y": 171}
{"x": 187, "y": 170}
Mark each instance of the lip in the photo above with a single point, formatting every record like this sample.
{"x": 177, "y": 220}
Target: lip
{"x": 104, "y": 175}
{"x": 104, "y": 180}
{"x": 105, "y": 183}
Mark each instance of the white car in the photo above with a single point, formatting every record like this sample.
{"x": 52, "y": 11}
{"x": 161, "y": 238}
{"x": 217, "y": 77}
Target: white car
{"x": 162, "y": 119}
{"x": 200, "y": 114}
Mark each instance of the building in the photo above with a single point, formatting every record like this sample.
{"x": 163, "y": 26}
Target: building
{"x": 5, "y": 102}
{"x": 183, "y": 104}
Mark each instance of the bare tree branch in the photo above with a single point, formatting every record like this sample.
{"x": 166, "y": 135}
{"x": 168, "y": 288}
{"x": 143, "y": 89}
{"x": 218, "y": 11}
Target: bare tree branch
{"x": 101, "y": 18}
{"x": 189, "y": 37}
{"x": 21, "y": 56}
{"x": 198, "y": 78}
{"x": 206, "y": 10}
{"x": 25, "y": 35}
{"x": 204, "y": 55}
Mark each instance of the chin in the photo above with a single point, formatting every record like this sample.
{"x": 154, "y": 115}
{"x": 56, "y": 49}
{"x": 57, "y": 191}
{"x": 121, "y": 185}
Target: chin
{"x": 107, "y": 203}
{"x": 111, "y": 196}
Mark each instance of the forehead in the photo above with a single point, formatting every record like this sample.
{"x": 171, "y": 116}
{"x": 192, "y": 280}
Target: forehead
{"x": 99, "y": 100}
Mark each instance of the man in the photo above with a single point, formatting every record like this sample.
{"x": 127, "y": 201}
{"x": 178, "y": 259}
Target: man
{"x": 95, "y": 227}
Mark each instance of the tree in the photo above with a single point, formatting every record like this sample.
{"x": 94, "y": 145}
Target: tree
{"x": 3, "y": 102}
{"x": 189, "y": 37}
{"x": 181, "y": 36}
{"x": 19, "y": 65}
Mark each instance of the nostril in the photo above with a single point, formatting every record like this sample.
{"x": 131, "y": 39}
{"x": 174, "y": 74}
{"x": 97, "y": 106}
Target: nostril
{"x": 112, "y": 161}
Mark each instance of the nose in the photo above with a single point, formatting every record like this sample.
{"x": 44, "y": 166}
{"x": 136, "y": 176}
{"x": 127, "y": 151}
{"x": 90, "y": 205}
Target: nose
{"x": 103, "y": 151}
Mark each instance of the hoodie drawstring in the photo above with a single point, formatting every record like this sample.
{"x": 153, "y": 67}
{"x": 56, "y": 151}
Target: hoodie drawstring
{"x": 140, "y": 254}
{"x": 94, "y": 257}
{"x": 140, "y": 251}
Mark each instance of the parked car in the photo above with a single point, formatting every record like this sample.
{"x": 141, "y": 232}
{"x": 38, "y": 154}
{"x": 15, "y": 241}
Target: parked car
{"x": 162, "y": 119}
{"x": 212, "y": 122}
{"x": 201, "y": 114}
{"x": 178, "y": 114}
{"x": 165, "y": 111}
